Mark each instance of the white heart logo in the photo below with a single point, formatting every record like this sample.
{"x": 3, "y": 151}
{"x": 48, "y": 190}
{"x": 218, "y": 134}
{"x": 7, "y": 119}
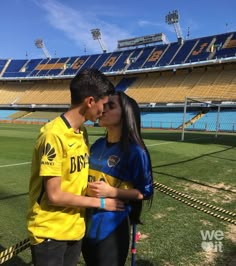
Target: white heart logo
{"x": 207, "y": 246}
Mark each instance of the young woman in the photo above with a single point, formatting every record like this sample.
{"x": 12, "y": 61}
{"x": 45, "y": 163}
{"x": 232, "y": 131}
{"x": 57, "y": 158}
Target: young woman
{"x": 120, "y": 167}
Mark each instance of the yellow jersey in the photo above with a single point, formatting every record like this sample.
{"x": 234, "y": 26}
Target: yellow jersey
{"x": 59, "y": 151}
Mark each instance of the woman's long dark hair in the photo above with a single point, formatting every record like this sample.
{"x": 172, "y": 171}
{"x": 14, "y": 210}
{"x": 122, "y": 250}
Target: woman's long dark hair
{"x": 131, "y": 132}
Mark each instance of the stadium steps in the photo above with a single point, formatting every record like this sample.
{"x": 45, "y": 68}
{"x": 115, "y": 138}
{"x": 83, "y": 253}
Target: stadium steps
{"x": 38, "y": 115}
{"x": 43, "y": 115}
{"x": 20, "y": 114}
{"x": 193, "y": 119}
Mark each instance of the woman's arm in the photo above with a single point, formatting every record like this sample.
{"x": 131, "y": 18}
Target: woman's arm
{"x": 101, "y": 189}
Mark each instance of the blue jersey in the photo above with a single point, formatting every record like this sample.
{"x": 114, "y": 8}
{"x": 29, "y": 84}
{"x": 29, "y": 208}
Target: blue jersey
{"x": 111, "y": 165}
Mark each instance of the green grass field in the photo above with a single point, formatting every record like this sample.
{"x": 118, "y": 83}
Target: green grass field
{"x": 188, "y": 175}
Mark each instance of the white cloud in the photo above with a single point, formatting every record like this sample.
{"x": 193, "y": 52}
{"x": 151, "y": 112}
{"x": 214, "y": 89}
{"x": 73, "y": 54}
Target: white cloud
{"x": 77, "y": 25}
{"x": 145, "y": 23}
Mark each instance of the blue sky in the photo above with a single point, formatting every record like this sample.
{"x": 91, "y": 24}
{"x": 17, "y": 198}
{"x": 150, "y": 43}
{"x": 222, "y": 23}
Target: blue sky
{"x": 65, "y": 25}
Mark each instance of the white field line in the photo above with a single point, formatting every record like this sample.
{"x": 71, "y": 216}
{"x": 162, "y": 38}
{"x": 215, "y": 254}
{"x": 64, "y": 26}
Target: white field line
{"x": 168, "y": 142}
{"x": 157, "y": 144}
{"x": 15, "y": 164}
{"x": 148, "y": 145}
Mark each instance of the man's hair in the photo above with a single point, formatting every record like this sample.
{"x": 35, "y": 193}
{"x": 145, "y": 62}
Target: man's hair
{"x": 90, "y": 82}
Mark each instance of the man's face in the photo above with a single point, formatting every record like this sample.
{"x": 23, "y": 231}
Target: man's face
{"x": 96, "y": 109}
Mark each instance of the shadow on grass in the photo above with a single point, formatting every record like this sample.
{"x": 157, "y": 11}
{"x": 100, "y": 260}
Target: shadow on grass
{"x": 227, "y": 258}
{"x": 195, "y": 182}
{"x": 144, "y": 263}
{"x": 195, "y": 158}
{"x": 195, "y": 137}
{"x": 189, "y": 160}
{"x": 13, "y": 196}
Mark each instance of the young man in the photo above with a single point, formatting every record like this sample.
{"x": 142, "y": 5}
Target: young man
{"x": 59, "y": 176}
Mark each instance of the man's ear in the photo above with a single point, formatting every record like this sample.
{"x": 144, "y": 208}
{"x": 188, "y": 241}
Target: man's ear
{"x": 88, "y": 101}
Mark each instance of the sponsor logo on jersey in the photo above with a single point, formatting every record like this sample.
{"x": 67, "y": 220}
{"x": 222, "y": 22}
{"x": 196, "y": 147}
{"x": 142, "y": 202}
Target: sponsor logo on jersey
{"x": 48, "y": 154}
{"x": 78, "y": 163}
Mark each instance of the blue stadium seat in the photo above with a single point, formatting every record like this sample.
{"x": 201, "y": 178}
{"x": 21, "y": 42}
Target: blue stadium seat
{"x": 229, "y": 49}
{"x": 124, "y": 84}
{"x": 15, "y": 68}
{"x": 90, "y": 61}
{"x": 100, "y": 61}
{"x": 122, "y": 61}
{"x": 183, "y": 52}
{"x": 155, "y": 56}
{"x": 169, "y": 54}
{"x": 110, "y": 61}
{"x": 165, "y": 120}
{"x": 3, "y": 63}
{"x": 200, "y": 51}
{"x": 227, "y": 121}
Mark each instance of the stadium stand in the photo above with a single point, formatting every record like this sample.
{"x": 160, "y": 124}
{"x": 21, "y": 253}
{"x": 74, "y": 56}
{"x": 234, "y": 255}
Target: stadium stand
{"x": 208, "y": 122}
{"x": 158, "y": 76}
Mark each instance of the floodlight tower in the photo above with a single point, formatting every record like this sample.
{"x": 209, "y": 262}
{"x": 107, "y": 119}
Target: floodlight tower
{"x": 96, "y": 33}
{"x": 173, "y": 18}
{"x": 40, "y": 44}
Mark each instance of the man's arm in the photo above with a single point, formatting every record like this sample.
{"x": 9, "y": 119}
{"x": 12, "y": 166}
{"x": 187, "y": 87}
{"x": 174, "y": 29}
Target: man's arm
{"x": 58, "y": 197}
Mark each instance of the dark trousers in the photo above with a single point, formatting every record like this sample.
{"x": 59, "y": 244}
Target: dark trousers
{"x": 112, "y": 251}
{"x": 56, "y": 253}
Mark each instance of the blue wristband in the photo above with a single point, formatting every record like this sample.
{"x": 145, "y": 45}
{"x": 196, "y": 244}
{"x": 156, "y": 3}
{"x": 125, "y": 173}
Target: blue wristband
{"x": 102, "y": 203}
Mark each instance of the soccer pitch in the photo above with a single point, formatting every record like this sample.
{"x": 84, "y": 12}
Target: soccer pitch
{"x": 192, "y": 219}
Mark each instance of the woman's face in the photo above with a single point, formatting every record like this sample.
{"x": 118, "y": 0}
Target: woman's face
{"x": 112, "y": 112}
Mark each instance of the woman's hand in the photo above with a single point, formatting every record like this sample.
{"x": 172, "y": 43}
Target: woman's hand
{"x": 100, "y": 189}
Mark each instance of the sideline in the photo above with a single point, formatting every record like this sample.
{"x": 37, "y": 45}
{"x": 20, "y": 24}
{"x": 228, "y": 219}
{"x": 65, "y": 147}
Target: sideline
{"x": 16, "y": 164}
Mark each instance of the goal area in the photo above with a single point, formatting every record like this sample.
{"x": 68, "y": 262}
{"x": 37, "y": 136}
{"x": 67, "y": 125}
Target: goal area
{"x": 198, "y": 108}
